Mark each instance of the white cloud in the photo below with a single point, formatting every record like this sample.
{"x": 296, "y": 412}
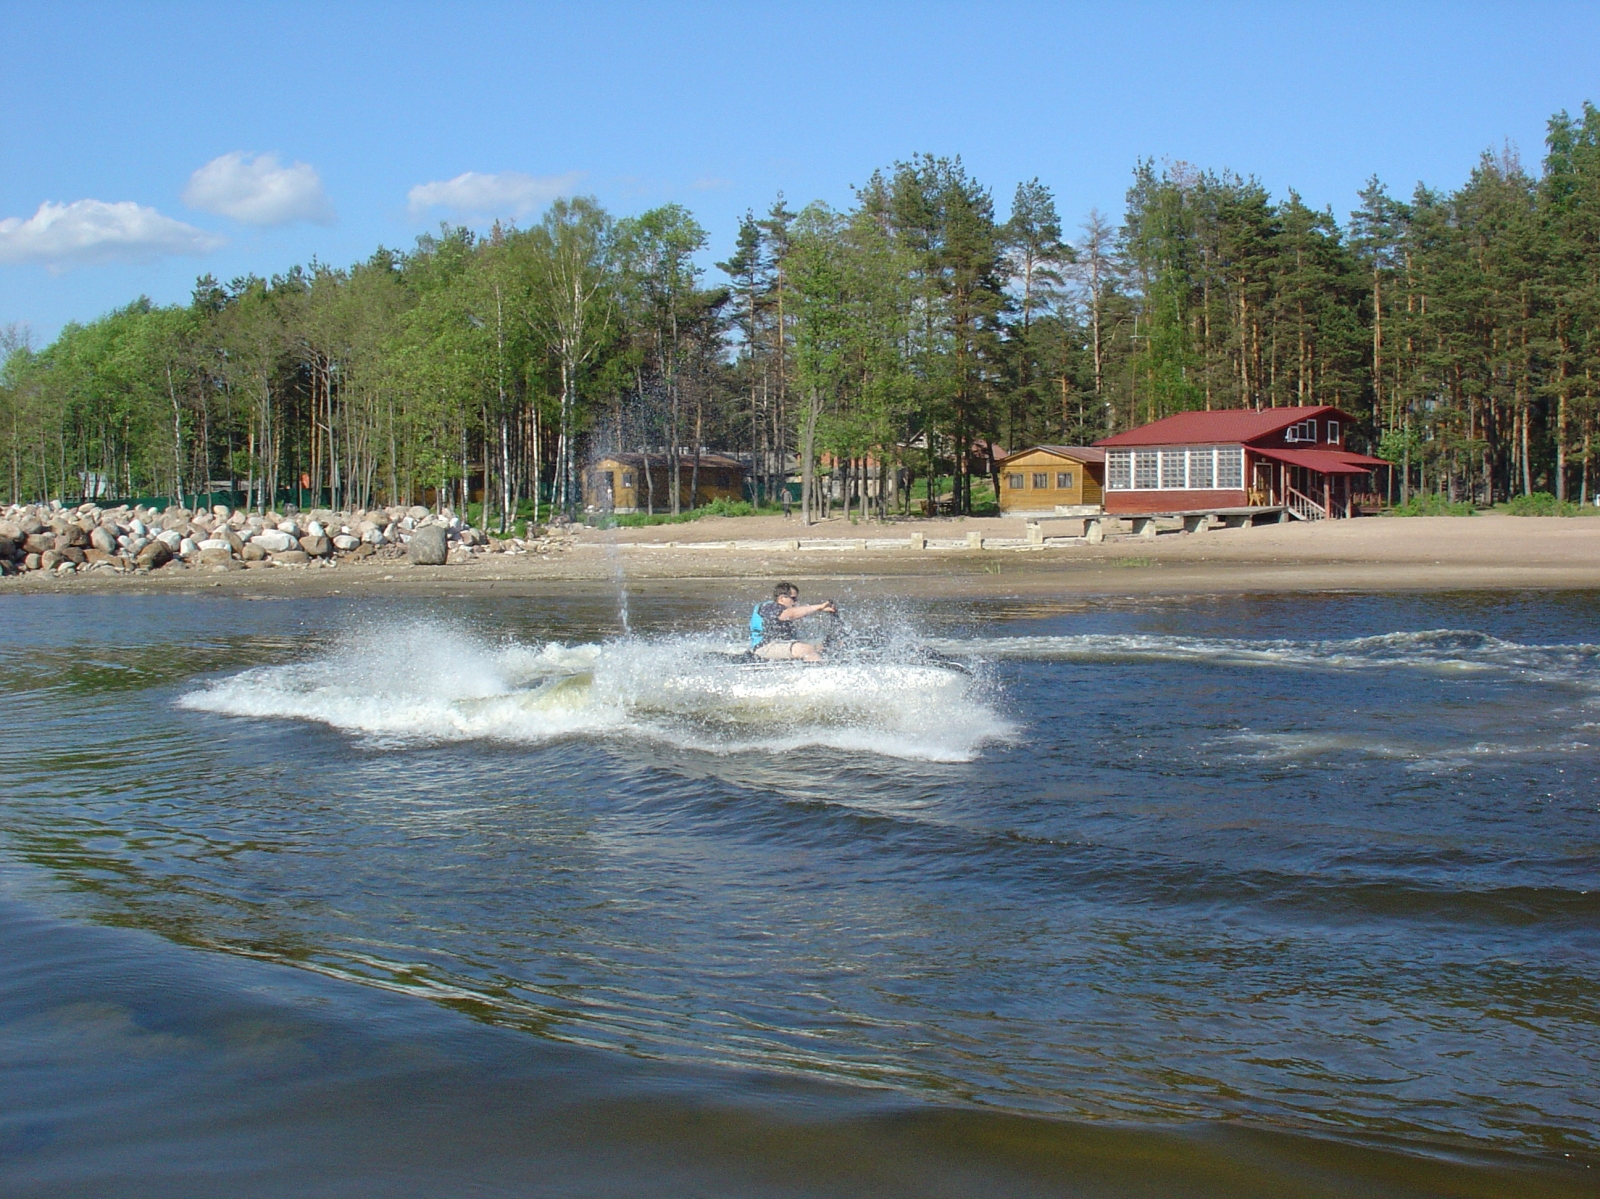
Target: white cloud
{"x": 258, "y": 190}
{"x": 509, "y": 193}
{"x": 92, "y": 231}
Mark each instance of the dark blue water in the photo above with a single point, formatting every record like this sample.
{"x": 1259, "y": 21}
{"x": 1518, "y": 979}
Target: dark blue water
{"x": 1210, "y": 896}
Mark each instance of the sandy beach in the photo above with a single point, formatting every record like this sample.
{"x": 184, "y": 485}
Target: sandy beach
{"x": 1485, "y": 552}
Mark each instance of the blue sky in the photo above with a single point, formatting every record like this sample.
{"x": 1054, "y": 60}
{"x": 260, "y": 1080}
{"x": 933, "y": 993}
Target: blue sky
{"x": 173, "y": 139}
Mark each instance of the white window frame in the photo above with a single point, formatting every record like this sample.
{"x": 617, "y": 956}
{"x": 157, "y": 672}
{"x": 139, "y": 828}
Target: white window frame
{"x": 1333, "y": 432}
{"x": 1122, "y": 468}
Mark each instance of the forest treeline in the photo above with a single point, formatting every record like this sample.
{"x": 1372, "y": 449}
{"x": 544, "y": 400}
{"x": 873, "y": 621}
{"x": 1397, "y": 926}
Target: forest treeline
{"x": 909, "y": 333}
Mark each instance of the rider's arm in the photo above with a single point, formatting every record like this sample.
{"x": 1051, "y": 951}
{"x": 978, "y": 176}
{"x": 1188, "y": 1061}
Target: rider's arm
{"x": 801, "y": 611}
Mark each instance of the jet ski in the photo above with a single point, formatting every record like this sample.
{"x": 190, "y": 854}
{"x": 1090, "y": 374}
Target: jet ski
{"x": 842, "y": 647}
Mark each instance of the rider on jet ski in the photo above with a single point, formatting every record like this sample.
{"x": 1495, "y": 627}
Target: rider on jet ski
{"x": 772, "y": 631}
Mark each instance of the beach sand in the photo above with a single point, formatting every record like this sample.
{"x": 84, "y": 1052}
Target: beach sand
{"x": 1484, "y": 552}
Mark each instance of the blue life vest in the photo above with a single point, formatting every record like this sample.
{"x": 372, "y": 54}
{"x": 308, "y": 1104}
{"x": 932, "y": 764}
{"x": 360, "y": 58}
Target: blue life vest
{"x": 758, "y": 628}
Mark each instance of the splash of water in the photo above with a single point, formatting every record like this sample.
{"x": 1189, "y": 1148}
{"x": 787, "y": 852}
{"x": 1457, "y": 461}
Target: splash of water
{"x": 432, "y": 682}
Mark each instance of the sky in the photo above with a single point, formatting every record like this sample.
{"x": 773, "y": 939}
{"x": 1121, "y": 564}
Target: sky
{"x": 142, "y": 145}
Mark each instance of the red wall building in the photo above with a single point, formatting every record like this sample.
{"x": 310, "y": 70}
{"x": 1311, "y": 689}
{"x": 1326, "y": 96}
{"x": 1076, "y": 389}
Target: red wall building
{"x": 1239, "y": 460}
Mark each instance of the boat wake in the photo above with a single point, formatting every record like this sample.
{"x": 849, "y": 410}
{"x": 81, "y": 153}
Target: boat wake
{"x": 1437, "y": 650}
{"x": 432, "y": 683}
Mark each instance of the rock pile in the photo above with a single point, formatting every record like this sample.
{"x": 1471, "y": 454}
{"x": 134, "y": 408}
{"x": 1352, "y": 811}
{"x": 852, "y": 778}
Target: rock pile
{"x": 63, "y": 541}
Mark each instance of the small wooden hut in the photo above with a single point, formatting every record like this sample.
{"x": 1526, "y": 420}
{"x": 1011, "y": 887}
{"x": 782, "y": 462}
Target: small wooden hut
{"x": 1047, "y": 477}
{"x": 625, "y": 483}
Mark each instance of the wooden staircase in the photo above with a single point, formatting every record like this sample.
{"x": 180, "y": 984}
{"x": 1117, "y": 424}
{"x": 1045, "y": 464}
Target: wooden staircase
{"x": 1302, "y": 507}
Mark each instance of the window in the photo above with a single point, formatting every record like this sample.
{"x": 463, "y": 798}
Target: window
{"x": 1333, "y": 432}
{"x": 1014, "y": 482}
{"x": 627, "y": 478}
{"x": 1040, "y": 480}
{"x": 1063, "y": 480}
{"x": 1202, "y": 469}
{"x": 1145, "y": 470}
{"x": 1173, "y": 474}
{"x": 1230, "y": 468}
{"x": 1119, "y": 470}
{"x": 1306, "y": 430}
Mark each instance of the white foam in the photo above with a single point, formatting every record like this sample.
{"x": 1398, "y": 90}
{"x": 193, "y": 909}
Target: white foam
{"x": 430, "y": 682}
{"x": 1439, "y": 650}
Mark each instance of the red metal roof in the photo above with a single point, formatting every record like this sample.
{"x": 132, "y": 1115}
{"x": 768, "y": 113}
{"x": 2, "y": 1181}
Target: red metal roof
{"x": 1220, "y": 425}
{"x": 1079, "y": 453}
{"x": 1329, "y": 462}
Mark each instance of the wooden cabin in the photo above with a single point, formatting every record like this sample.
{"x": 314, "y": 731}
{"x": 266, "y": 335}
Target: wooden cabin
{"x": 1047, "y": 477}
{"x": 620, "y": 482}
{"x": 1238, "y": 462}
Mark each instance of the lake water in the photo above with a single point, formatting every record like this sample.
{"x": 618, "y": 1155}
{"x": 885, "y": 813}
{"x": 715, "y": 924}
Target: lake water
{"x": 1243, "y": 896}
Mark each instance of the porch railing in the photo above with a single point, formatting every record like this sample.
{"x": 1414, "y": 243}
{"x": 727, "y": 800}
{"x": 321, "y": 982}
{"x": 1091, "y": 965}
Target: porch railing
{"x": 1303, "y": 507}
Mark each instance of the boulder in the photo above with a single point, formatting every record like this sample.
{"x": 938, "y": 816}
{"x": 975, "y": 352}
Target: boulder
{"x": 315, "y": 529}
{"x": 49, "y": 560}
{"x": 253, "y": 553}
{"x": 170, "y": 538}
{"x": 289, "y": 527}
{"x": 37, "y": 543}
{"x": 365, "y": 550}
{"x": 71, "y": 537}
{"x": 429, "y": 547}
{"x": 316, "y": 545}
{"x": 220, "y": 510}
{"x": 30, "y": 562}
{"x": 12, "y": 530}
{"x": 103, "y": 540}
{"x": 73, "y": 555}
{"x": 346, "y": 542}
{"x": 188, "y": 547}
{"x": 215, "y": 543}
{"x": 274, "y": 541}
{"x": 155, "y": 554}
{"x": 291, "y": 557}
{"x": 215, "y": 553}
{"x": 95, "y": 557}
{"x": 30, "y": 524}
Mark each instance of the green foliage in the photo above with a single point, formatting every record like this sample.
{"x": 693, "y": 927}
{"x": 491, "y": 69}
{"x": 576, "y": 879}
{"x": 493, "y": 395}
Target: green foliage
{"x": 1540, "y": 503}
{"x": 902, "y": 337}
{"x": 1432, "y": 504}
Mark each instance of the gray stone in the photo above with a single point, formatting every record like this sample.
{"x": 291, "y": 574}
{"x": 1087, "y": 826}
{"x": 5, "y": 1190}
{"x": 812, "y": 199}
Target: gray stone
{"x": 429, "y": 547}
{"x": 103, "y": 540}
{"x": 316, "y": 545}
{"x": 30, "y": 524}
{"x": 274, "y": 541}
{"x": 291, "y": 557}
{"x": 215, "y": 554}
{"x": 253, "y": 553}
{"x": 346, "y": 542}
{"x": 188, "y": 547}
{"x": 71, "y": 537}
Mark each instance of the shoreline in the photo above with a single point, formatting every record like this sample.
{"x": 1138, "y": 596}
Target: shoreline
{"x": 1485, "y": 553}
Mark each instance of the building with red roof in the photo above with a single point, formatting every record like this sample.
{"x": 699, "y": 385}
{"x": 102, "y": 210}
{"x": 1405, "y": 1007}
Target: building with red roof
{"x": 1238, "y": 462}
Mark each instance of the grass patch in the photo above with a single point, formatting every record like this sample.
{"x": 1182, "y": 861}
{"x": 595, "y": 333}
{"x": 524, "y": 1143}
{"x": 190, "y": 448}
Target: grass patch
{"x": 1433, "y": 504}
{"x": 1133, "y": 562}
{"x": 719, "y": 507}
{"x": 1541, "y": 503}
